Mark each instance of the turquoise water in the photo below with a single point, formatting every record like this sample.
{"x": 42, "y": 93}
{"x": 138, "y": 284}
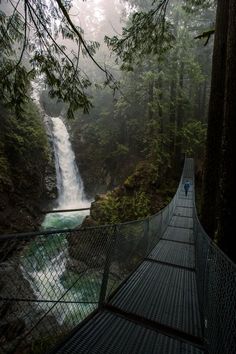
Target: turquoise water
{"x": 67, "y": 294}
{"x": 61, "y": 221}
{"x": 44, "y": 265}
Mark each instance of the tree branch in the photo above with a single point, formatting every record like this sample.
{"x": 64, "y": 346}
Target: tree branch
{"x": 48, "y": 33}
{"x": 65, "y": 13}
{"x": 207, "y": 35}
{"x": 24, "y": 43}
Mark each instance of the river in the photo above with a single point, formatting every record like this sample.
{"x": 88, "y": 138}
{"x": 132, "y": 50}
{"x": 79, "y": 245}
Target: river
{"x": 44, "y": 262}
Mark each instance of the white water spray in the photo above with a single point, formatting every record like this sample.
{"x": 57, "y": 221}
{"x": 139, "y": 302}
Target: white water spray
{"x": 45, "y": 266}
{"x": 46, "y": 270}
{"x": 69, "y": 183}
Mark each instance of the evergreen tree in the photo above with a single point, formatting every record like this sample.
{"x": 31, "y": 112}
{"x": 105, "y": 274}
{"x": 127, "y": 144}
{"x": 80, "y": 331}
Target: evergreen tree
{"x": 215, "y": 121}
{"x": 228, "y": 172}
{"x": 41, "y": 29}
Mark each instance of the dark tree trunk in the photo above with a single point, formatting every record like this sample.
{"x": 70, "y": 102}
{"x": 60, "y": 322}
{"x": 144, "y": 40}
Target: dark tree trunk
{"x": 160, "y": 99}
{"x": 180, "y": 117}
{"x": 199, "y": 115}
{"x": 190, "y": 99}
{"x": 228, "y": 182}
{"x": 172, "y": 117}
{"x": 215, "y": 120}
{"x": 203, "y": 102}
{"x": 173, "y": 102}
{"x": 150, "y": 100}
{"x": 197, "y": 103}
{"x": 173, "y": 94}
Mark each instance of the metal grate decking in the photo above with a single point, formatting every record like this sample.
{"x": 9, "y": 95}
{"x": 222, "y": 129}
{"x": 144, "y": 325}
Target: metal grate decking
{"x": 187, "y": 203}
{"x": 180, "y": 211}
{"x": 182, "y": 221}
{"x": 114, "y": 334}
{"x": 156, "y": 309}
{"x": 163, "y": 294}
{"x": 157, "y": 285}
{"x": 176, "y": 253}
{"x": 178, "y": 235}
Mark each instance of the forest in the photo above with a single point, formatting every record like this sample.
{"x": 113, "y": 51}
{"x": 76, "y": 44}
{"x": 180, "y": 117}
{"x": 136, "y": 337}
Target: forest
{"x": 101, "y": 102}
{"x": 156, "y": 98}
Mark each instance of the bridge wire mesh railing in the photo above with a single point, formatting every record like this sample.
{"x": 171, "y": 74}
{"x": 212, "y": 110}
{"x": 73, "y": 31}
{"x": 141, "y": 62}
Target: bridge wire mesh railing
{"x": 51, "y": 280}
{"x": 216, "y": 283}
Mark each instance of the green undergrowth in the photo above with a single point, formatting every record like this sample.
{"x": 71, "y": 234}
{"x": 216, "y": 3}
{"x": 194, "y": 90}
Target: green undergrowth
{"x": 24, "y": 157}
{"x": 142, "y": 194}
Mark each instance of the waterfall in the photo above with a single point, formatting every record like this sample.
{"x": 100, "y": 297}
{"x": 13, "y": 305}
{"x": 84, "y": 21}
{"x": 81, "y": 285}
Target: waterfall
{"x": 45, "y": 264}
{"x": 70, "y": 186}
{"x": 69, "y": 183}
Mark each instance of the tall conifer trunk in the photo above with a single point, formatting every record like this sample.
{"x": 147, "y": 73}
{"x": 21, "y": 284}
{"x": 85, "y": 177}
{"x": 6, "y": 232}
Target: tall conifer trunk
{"x": 215, "y": 120}
{"x": 160, "y": 99}
{"x": 150, "y": 99}
{"x": 173, "y": 95}
{"x": 180, "y": 117}
{"x": 227, "y": 203}
{"x": 203, "y": 103}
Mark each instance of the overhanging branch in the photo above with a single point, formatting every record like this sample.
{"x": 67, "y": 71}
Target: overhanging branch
{"x": 65, "y": 13}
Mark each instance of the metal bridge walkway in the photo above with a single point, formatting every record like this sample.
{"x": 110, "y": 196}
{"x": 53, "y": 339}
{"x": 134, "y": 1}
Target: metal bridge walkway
{"x": 156, "y": 310}
{"x": 157, "y": 285}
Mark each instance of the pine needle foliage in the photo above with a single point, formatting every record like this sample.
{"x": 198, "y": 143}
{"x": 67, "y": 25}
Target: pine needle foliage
{"x": 147, "y": 33}
{"x": 31, "y": 40}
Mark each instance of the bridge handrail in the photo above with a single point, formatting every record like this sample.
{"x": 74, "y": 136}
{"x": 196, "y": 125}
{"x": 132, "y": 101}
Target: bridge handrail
{"x": 29, "y": 235}
{"x": 216, "y": 284}
{"x": 99, "y": 257}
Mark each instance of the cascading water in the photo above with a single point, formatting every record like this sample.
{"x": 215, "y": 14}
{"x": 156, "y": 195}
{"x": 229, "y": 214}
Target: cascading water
{"x": 45, "y": 264}
{"x": 69, "y": 183}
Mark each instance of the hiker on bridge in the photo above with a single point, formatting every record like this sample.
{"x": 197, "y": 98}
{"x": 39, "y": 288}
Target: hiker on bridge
{"x": 186, "y": 187}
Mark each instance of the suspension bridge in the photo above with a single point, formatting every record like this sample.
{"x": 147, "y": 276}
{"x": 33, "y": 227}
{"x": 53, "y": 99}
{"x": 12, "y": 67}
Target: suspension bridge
{"x": 158, "y": 285}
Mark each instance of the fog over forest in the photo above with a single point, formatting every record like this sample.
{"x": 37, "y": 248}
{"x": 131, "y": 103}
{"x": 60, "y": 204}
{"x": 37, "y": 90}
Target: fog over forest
{"x": 117, "y": 176}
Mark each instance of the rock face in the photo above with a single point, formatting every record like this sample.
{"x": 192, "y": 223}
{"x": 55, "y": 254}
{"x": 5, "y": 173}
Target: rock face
{"x": 98, "y": 172}
{"x": 20, "y": 207}
{"x": 14, "y": 314}
{"x": 27, "y": 174}
{"x": 27, "y": 184}
{"x": 20, "y": 311}
{"x": 141, "y": 194}
{"x": 88, "y": 248}
{"x": 50, "y": 173}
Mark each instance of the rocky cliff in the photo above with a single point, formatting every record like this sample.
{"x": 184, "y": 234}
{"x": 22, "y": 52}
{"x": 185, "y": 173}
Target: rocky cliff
{"x": 26, "y": 170}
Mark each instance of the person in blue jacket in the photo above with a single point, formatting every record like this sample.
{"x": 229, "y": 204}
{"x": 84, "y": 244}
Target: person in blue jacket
{"x": 186, "y": 187}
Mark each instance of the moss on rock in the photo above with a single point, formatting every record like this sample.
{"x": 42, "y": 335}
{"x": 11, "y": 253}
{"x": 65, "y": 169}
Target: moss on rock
{"x": 24, "y": 157}
{"x": 143, "y": 193}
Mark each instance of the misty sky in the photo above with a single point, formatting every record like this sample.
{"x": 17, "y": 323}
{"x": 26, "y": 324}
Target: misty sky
{"x": 97, "y": 17}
